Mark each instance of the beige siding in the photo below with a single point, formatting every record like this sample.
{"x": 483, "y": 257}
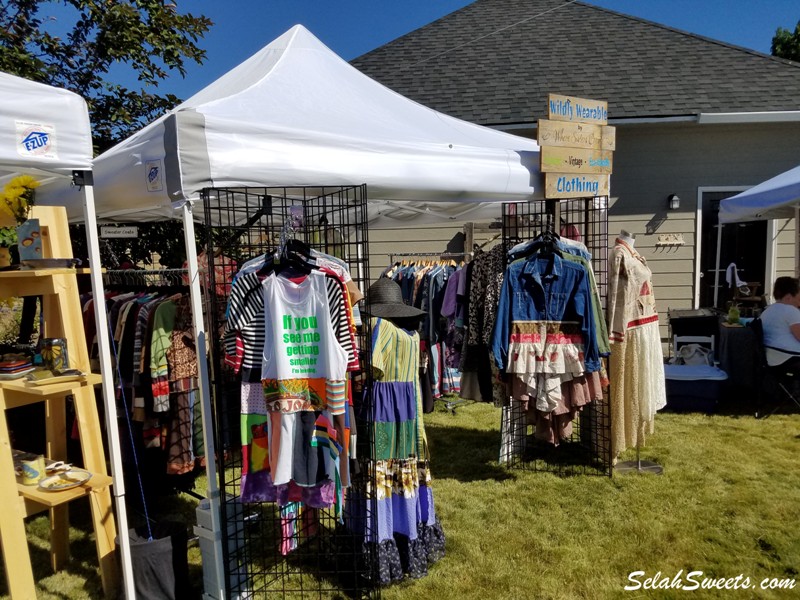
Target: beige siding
{"x": 383, "y": 243}
{"x": 785, "y": 260}
{"x": 652, "y": 162}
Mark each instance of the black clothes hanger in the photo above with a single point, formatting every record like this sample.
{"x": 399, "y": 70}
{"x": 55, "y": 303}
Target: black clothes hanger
{"x": 549, "y": 242}
{"x": 295, "y": 248}
{"x": 544, "y": 243}
{"x": 296, "y": 255}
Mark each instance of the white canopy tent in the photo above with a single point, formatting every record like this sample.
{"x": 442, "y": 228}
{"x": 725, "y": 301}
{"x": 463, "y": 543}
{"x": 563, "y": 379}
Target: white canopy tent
{"x": 295, "y": 114}
{"x": 45, "y": 132}
{"x": 776, "y": 198}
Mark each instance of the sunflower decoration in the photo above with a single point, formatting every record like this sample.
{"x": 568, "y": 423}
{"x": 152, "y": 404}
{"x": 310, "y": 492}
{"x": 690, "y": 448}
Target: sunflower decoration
{"x": 18, "y": 197}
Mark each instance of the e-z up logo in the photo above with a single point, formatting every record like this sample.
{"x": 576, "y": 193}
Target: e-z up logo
{"x": 36, "y": 139}
{"x": 153, "y": 170}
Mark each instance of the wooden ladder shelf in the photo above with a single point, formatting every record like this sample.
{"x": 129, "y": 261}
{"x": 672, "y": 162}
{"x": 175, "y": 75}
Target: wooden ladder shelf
{"x": 63, "y": 318}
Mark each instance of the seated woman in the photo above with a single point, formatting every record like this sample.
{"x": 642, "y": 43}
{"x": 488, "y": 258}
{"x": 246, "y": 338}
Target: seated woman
{"x": 781, "y": 323}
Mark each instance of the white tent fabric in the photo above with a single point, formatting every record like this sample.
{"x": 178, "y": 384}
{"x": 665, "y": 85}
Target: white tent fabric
{"x": 45, "y": 132}
{"x": 775, "y": 198}
{"x": 295, "y": 114}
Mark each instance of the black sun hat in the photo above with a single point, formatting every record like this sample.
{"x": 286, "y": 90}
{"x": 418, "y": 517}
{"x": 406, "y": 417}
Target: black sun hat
{"x": 384, "y": 298}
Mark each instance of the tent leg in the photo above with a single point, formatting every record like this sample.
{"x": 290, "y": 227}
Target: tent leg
{"x": 796, "y": 241}
{"x": 212, "y": 489}
{"x": 719, "y": 229}
{"x": 103, "y": 342}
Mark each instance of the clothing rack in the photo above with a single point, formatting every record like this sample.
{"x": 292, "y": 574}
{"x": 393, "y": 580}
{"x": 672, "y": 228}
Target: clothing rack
{"x": 313, "y": 556}
{"x": 587, "y": 450}
{"x": 146, "y": 277}
{"x": 148, "y": 466}
{"x": 393, "y": 255}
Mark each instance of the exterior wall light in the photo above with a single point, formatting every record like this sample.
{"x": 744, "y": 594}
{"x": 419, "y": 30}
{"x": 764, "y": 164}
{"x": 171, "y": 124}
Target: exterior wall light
{"x": 673, "y": 202}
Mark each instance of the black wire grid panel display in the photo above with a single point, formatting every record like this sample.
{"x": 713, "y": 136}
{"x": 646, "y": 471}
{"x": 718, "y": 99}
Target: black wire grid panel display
{"x": 586, "y": 449}
{"x": 289, "y": 551}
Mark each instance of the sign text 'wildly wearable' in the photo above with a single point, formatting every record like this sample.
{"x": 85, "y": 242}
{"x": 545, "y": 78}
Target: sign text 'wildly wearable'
{"x": 576, "y": 147}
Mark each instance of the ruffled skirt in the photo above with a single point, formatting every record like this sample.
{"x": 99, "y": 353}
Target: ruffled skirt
{"x": 399, "y": 527}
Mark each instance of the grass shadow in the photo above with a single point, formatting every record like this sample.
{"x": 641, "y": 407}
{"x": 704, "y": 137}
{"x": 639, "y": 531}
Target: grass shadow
{"x": 568, "y": 459}
{"x": 450, "y": 444}
{"x": 82, "y": 554}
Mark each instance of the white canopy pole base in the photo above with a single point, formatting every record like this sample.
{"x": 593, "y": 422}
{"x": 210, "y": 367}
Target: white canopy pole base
{"x": 212, "y": 489}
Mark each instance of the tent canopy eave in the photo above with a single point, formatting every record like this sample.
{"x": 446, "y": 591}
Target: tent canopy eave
{"x": 776, "y": 198}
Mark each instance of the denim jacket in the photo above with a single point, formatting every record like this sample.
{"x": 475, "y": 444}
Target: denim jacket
{"x": 545, "y": 288}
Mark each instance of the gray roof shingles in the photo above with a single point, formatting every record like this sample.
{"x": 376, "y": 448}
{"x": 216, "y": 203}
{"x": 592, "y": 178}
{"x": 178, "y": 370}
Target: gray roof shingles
{"x": 494, "y": 62}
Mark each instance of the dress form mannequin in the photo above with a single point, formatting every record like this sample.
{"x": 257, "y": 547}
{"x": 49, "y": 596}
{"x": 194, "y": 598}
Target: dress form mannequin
{"x": 626, "y": 237}
{"x": 636, "y": 349}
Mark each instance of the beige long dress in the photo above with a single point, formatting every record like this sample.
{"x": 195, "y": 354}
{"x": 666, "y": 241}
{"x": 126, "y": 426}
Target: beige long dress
{"x": 637, "y": 361}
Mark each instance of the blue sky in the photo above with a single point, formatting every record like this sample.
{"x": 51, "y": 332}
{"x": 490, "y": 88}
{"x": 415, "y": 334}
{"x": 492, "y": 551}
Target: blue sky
{"x": 352, "y": 27}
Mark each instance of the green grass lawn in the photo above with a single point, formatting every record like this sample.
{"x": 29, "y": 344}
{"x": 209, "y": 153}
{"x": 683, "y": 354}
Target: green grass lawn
{"x": 727, "y": 504}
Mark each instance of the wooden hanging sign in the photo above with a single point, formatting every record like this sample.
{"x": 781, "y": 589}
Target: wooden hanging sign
{"x": 576, "y": 135}
{"x": 573, "y": 185}
{"x": 576, "y": 147}
{"x": 575, "y": 160}
{"x": 577, "y": 110}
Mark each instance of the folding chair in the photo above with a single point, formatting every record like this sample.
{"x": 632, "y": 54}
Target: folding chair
{"x": 752, "y": 300}
{"x": 774, "y": 383}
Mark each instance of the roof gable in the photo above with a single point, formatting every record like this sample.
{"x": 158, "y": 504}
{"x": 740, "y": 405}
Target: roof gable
{"x": 494, "y": 62}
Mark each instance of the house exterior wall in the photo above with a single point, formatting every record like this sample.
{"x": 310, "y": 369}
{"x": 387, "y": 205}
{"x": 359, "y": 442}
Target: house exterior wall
{"x": 651, "y": 162}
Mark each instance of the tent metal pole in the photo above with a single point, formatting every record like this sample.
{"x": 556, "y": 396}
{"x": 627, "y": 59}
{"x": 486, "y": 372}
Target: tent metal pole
{"x": 212, "y": 487}
{"x": 107, "y": 371}
{"x": 796, "y": 243}
{"x": 718, "y": 227}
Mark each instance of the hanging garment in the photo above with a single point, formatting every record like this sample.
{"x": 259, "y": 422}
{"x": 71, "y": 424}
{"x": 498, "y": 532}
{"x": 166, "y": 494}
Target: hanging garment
{"x": 546, "y": 340}
{"x": 293, "y": 433}
{"x": 166, "y": 371}
{"x": 638, "y": 387}
{"x": 409, "y": 536}
{"x": 601, "y": 328}
{"x": 244, "y": 344}
{"x": 544, "y": 321}
{"x": 436, "y": 378}
{"x": 301, "y": 353}
{"x": 454, "y": 335}
{"x": 243, "y": 336}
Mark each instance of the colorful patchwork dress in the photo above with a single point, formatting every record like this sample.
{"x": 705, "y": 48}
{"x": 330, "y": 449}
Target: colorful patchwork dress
{"x": 409, "y": 536}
